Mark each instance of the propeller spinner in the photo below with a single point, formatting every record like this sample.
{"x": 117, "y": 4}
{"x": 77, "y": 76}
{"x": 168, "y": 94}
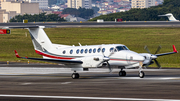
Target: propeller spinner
{"x": 106, "y": 59}
{"x": 153, "y": 56}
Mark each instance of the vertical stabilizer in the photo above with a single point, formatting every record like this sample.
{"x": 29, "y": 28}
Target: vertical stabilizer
{"x": 170, "y": 17}
{"x": 40, "y": 39}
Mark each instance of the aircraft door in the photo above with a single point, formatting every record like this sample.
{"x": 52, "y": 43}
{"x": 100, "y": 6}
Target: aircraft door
{"x": 129, "y": 58}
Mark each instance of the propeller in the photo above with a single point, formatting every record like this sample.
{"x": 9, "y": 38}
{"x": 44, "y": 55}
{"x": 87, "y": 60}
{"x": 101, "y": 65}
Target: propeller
{"x": 106, "y": 59}
{"x": 153, "y": 56}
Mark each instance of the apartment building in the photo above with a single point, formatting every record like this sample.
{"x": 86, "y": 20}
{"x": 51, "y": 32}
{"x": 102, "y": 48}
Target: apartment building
{"x": 142, "y": 3}
{"x": 80, "y": 3}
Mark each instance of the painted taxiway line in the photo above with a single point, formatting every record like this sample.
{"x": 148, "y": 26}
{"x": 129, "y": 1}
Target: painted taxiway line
{"x": 150, "y": 78}
{"x": 86, "y": 98}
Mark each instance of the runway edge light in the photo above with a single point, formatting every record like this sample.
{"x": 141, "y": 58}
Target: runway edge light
{"x": 5, "y": 31}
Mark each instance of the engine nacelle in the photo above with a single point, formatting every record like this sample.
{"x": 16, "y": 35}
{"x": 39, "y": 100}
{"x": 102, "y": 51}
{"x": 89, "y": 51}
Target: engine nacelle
{"x": 92, "y": 61}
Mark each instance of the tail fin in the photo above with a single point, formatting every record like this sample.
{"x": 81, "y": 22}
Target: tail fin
{"x": 170, "y": 17}
{"x": 40, "y": 39}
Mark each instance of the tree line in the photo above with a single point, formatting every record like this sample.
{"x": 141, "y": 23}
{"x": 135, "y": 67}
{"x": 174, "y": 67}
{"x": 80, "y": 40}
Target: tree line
{"x": 42, "y": 17}
{"x": 146, "y": 14}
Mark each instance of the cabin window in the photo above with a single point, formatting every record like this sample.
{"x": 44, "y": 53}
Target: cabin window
{"x": 71, "y": 51}
{"x": 86, "y": 50}
{"x": 77, "y": 51}
{"x": 82, "y": 50}
{"x": 94, "y": 50}
{"x": 125, "y": 48}
{"x": 90, "y": 50}
{"x": 111, "y": 49}
{"x": 99, "y": 49}
{"x": 103, "y": 50}
{"x": 119, "y": 48}
{"x": 64, "y": 52}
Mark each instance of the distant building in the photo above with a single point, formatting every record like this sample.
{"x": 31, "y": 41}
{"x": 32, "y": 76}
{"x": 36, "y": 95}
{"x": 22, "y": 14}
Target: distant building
{"x": 142, "y": 3}
{"x": 21, "y": 7}
{"x": 3, "y": 1}
{"x": 43, "y": 4}
{"x": 80, "y": 3}
{"x": 77, "y": 19}
{"x": 66, "y": 16}
{"x": 71, "y": 18}
{"x": 13, "y": 8}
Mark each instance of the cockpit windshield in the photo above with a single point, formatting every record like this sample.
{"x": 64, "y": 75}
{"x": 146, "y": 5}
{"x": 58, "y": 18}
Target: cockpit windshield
{"x": 119, "y": 48}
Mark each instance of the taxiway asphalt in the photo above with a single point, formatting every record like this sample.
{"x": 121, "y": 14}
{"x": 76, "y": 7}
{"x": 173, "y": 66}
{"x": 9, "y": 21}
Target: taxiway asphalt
{"x": 52, "y": 83}
{"x": 102, "y": 24}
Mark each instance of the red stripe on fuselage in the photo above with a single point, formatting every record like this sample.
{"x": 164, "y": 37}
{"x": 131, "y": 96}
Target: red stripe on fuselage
{"x": 50, "y": 56}
{"x": 56, "y": 57}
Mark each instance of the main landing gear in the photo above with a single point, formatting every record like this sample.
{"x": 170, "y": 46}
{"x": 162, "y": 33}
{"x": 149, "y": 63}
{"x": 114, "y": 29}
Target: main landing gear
{"x": 122, "y": 73}
{"x": 75, "y": 75}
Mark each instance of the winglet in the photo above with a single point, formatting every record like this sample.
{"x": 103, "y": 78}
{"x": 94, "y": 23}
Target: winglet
{"x": 174, "y": 49}
{"x": 17, "y": 55}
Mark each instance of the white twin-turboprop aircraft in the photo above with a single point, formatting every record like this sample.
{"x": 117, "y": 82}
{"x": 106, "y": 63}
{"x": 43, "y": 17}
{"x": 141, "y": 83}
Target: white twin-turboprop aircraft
{"x": 81, "y": 58}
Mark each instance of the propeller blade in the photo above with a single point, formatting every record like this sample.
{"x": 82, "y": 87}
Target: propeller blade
{"x": 148, "y": 63}
{"x": 111, "y": 54}
{"x": 110, "y": 69}
{"x": 146, "y": 48}
{"x": 157, "y": 63}
{"x": 158, "y": 49}
{"x": 100, "y": 63}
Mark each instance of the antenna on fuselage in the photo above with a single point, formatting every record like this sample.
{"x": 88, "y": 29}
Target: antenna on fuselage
{"x": 79, "y": 44}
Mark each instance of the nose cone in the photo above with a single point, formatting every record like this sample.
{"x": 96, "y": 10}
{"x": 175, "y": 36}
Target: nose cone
{"x": 140, "y": 58}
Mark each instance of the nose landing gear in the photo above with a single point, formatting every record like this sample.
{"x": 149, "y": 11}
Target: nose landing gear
{"x": 141, "y": 74}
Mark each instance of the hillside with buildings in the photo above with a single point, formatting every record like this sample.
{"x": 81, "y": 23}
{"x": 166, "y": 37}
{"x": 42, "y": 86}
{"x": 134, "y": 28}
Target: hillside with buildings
{"x": 146, "y": 14}
{"x": 11, "y": 8}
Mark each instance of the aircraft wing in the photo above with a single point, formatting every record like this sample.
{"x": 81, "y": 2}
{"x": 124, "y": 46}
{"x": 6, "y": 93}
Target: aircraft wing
{"x": 51, "y": 60}
{"x": 174, "y": 51}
